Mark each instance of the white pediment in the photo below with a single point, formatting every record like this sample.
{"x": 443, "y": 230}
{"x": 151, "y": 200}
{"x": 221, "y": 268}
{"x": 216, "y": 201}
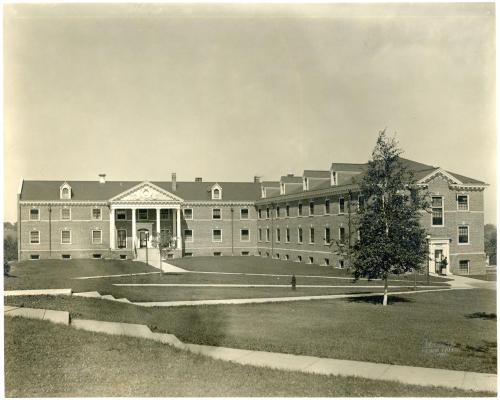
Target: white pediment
{"x": 441, "y": 173}
{"x": 146, "y": 192}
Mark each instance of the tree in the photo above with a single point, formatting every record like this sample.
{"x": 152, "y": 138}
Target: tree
{"x": 490, "y": 242}
{"x": 345, "y": 245}
{"x": 9, "y": 248}
{"x": 391, "y": 239}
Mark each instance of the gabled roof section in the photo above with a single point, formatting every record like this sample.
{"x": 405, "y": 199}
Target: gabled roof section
{"x": 316, "y": 174}
{"x": 440, "y": 172}
{"x": 146, "y": 192}
{"x": 270, "y": 184}
{"x": 348, "y": 167}
{"x": 291, "y": 179}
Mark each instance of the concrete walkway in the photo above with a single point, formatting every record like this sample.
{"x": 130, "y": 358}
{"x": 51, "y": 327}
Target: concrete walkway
{"x": 236, "y": 285}
{"x": 117, "y": 276}
{"x": 38, "y": 292}
{"x": 324, "y": 366}
{"x": 464, "y": 282}
{"x": 153, "y": 259}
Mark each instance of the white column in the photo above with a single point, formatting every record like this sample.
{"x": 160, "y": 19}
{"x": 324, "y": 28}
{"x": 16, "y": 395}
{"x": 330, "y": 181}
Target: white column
{"x": 173, "y": 222}
{"x": 179, "y": 236}
{"x": 134, "y": 229}
{"x": 158, "y": 230}
{"x": 112, "y": 228}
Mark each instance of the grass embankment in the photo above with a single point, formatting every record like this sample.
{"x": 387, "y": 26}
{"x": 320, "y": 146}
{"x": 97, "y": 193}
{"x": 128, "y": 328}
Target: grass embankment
{"x": 452, "y": 329}
{"x": 43, "y": 359}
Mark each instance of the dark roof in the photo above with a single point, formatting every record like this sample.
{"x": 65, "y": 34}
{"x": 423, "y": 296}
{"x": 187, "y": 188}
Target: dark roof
{"x": 93, "y": 190}
{"x": 465, "y": 179}
{"x": 317, "y": 184}
{"x": 317, "y": 174}
{"x": 347, "y": 167}
{"x": 291, "y": 179}
{"x": 270, "y": 184}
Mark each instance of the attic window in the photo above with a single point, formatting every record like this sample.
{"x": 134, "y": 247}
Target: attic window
{"x": 263, "y": 192}
{"x": 306, "y": 184}
{"x": 333, "y": 178}
{"x": 65, "y": 192}
{"x": 216, "y": 192}
{"x": 282, "y": 188}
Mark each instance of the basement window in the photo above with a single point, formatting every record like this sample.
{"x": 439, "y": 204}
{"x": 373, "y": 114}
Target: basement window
{"x": 123, "y": 256}
{"x": 97, "y": 256}
{"x": 66, "y": 256}
{"x": 245, "y": 253}
{"x": 217, "y": 253}
{"x": 34, "y": 256}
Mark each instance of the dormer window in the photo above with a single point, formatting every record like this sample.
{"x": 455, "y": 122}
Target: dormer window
{"x": 263, "y": 191}
{"x": 65, "y": 191}
{"x": 333, "y": 178}
{"x": 216, "y": 192}
{"x": 305, "y": 184}
{"x": 282, "y": 188}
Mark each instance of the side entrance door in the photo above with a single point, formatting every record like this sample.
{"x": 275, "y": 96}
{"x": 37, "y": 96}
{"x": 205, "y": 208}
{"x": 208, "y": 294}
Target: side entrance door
{"x": 143, "y": 238}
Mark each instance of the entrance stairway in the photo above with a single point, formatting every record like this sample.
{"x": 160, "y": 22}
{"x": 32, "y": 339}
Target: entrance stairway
{"x": 154, "y": 260}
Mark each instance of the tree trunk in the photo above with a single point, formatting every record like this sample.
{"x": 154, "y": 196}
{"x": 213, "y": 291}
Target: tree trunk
{"x": 385, "y": 291}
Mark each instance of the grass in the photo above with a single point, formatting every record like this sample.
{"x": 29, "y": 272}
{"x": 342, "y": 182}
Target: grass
{"x": 42, "y": 359}
{"x": 440, "y": 330}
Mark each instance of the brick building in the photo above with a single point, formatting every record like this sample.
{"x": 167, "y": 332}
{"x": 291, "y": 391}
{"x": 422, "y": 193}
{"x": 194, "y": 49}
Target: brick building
{"x": 296, "y": 218}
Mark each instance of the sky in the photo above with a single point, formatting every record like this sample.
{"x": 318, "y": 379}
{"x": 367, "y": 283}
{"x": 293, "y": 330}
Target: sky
{"x": 228, "y": 92}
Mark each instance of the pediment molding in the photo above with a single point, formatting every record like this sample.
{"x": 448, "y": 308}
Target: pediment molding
{"x": 441, "y": 173}
{"x": 147, "y": 193}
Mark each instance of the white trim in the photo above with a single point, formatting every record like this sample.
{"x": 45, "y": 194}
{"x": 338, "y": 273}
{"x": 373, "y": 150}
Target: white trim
{"x": 192, "y": 235}
{"x": 241, "y": 235}
{"x": 441, "y": 171}
{"x": 70, "y": 236}
{"x": 173, "y": 197}
{"x": 213, "y": 189}
{"x": 61, "y": 213}
{"x": 458, "y": 204}
{"x": 119, "y": 210}
{"x": 65, "y": 185}
{"x": 216, "y": 241}
{"x": 92, "y": 235}
{"x": 467, "y": 254}
{"x": 460, "y": 270}
{"x": 139, "y": 214}
{"x": 248, "y": 213}
{"x": 220, "y": 247}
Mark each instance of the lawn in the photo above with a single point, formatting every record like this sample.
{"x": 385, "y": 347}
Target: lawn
{"x": 42, "y": 360}
{"x": 452, "y": 329}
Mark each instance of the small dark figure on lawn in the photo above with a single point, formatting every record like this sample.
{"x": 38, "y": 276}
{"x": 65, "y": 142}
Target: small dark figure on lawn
{"x": 294, "y": 282}
{"x": 6, "y": 268}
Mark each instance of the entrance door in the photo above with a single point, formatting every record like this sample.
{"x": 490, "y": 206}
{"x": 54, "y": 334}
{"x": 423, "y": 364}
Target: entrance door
{"x": 122, "y": 238}
{"x": 438, "y": 257}
{"x": 143, "y": 238}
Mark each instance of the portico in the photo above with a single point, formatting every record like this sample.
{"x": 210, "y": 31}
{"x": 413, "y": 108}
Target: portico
{"x": 141, "y": 214}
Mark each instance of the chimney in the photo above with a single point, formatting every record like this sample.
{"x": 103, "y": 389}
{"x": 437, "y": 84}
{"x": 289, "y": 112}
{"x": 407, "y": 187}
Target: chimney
{"x": 174, "y": 181}
{"x": 198, "y": 179}
{"x": 102, "y": 178}
{"x": 256, "y": 179}
{"x": 290, "y": 175}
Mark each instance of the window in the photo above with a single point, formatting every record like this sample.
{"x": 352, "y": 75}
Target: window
{"x": 216, "y": 213}
{"x": 342, "y": 234}
{"x": 35, "y": 237}
{"x": 96, "y": 213}
{"x": 311, "y": 260}
{"x": 288, "y": 235}
{"x": 66, "y": 213}
{"x": 97, "y": 256}
{"x": 311, "y": 208}
{"x": 65, "y": 237}
{"x": 463, "y": 234}
{"x": 463, "y": 266}
{"x": 277, "y": 256}
{"x": 267, "y": 234}
{"x": 188, "y": 235}
{"x": 300, "y": 209}
{"x": 463, "y": 202}
{"x": 287, "y": 257}
{"x": 216, "y": 235}
{"x": 299, "y": 234}
{"x": 287, "y": 210}
{"x": 34, "y": 256}
{"x": 278, "y": 235}
{"x": 245, "y": 253}
{"x": 299, "y": 258}
{"x": 217, "y": 253}
{"x": 143, "y": 214}
{"x": 327, "y": 262}
{"x": 437, "y": 211}
{"x": 277, "y": 211}
{"x": 66, "y": 256}
{"x": 188, "y": 254}
{"x": 327, "y": 236}
{"x": 361, "y": 203}
{"x": 245, "y": 235}
{"x": 341, "y": 263}
{"x": 165, "y": 235}
{"x": 164, "y": 214}
{"x": 121, "y": 214}
{"x": 34, "y": 214}
{"x": 188, "y": 213}
{"x": 123, "y": 256}
{"x": 244, "y": 213}
{"x": 327, "y": 206}
{"x": 333, "y": 178}
{"x": 96, "y": 237}
{"x": 122, "y": 238}
{"x": 65, "y": 192}
{"x": 260, "y": 213}
{"x": 311, "y": 235}
{"x": 341, "y": 205}
{"x": 216, "y": 194}
{"x": 267, "y": 213}
{"x": 260, "y": 235}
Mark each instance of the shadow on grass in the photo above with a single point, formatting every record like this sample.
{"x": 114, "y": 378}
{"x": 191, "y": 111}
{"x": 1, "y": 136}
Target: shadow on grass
{"x": 482, "y": 315}
{"x": 378, "y": 299}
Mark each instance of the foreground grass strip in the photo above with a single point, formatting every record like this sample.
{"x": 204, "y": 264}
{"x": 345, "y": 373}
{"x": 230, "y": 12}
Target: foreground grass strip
{"x": 351, "y": 328}
{"x": 46, "y": 360}
{"x": 404, "y": 374}
{"x": 257, "y": 285}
